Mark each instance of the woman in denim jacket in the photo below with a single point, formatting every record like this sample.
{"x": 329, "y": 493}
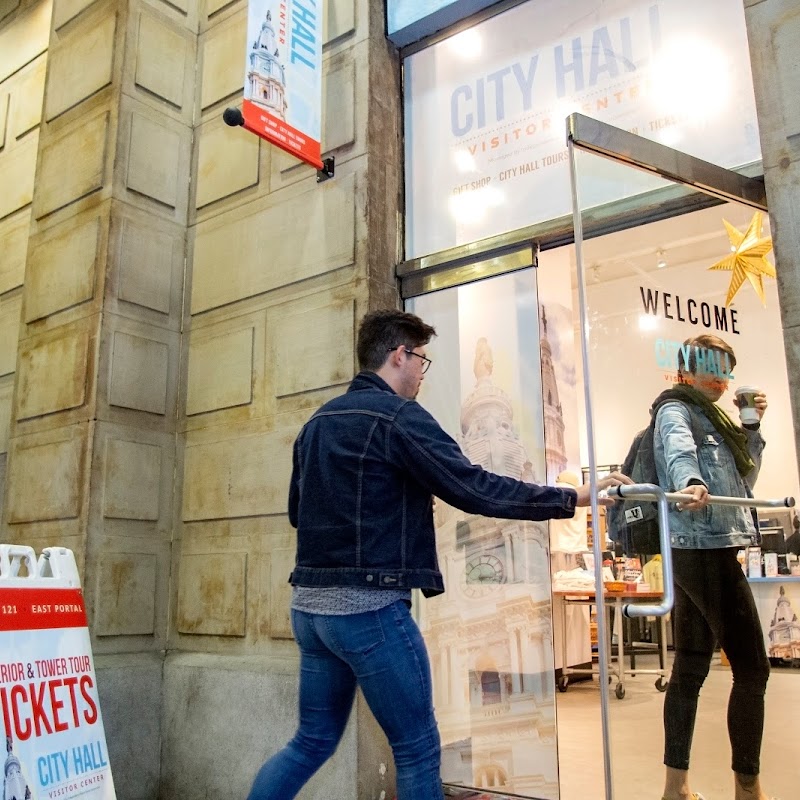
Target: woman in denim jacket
{"x": 713, "y": 600}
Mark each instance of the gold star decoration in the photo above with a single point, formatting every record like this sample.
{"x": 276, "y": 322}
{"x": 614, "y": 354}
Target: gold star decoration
{"x": 748, "y": 258}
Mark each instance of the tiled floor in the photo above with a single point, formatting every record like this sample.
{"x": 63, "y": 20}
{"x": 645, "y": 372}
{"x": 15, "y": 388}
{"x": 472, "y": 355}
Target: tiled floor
{"x": 637, "y": 739}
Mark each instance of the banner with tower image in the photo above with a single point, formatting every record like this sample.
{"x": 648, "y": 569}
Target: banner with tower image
{"x": 283, "y": 75}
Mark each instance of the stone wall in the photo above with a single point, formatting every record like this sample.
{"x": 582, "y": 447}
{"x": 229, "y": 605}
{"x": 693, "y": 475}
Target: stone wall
{"x": 281, "y": 269}
{"x": 93, "y": 422}
{"x": 24, "y": 36}
{"x": 773, "y": 28}
{"x": 190, "y": 296}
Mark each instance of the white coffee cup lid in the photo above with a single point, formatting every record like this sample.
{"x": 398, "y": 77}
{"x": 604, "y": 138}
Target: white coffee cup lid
{"x": 747, "y": 389}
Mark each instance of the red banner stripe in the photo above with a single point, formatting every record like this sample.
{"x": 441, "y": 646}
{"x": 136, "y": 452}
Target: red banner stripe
{"x": 259, "y": 121}
{"x": 39, "y": 609}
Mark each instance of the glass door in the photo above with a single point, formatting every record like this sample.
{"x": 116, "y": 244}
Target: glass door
{"x": 490, "y": 635}
{"x": 671, "y": 258}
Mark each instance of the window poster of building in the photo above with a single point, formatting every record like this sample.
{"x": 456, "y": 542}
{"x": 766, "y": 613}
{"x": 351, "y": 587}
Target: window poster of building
{"x": 783, "y": 634}
{"x": 490, "y": 634}
{"x": 485, "y": 109}
{"x": 283, "y": 75}
{"x": 560, "y": 351}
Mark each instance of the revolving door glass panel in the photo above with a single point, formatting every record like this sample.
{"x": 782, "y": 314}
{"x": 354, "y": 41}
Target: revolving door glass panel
{"x": 650, "y": 290}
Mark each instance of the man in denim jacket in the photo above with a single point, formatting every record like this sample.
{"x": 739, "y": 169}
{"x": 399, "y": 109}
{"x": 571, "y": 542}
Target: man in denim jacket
{"x": 713, "y": 601}
{"x": 366, "y": 467}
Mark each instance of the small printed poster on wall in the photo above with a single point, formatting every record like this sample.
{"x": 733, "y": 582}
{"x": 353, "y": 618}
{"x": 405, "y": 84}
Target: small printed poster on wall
{"x": 778, "y": 601}
{"x": 283, "y": 75}
{"x": 55, "y": 745}
{"x": 559, "y": 353}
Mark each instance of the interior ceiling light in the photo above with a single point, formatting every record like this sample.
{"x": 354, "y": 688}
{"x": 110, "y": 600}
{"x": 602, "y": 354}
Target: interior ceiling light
{"x": 661, "y": 259}
{"x": 647, "y": 322}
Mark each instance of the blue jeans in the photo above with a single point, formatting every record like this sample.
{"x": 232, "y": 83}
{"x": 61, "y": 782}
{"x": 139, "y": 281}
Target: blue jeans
{"x": 382, "y": 652}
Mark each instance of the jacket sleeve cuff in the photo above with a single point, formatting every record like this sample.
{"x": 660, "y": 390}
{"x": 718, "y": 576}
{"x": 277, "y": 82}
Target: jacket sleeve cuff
{"x": 570, "y": 501}
{"x": 695, "y": 482}
{"x": 689, "y": 478}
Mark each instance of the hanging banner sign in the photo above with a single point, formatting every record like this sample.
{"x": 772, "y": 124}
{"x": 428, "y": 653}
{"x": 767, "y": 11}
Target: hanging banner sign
{"x": 283, "y": 75}
{"x": 55, "y": 745}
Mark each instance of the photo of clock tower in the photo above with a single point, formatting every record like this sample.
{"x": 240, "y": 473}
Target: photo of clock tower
{"x": 266, "y": 78}
{"x": 490, "y": 636}
{"x": 555, "y": 448}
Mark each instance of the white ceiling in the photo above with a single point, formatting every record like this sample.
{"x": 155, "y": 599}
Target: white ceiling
{"x": 700, "y": 236}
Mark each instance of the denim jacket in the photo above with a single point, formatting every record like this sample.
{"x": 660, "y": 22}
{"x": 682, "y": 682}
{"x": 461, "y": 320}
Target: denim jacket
{"x": 365, "y": 467}
{"x": 680, "y": 461}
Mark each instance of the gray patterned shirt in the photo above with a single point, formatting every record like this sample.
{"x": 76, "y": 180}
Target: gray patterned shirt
{"x": 340, "y": 600}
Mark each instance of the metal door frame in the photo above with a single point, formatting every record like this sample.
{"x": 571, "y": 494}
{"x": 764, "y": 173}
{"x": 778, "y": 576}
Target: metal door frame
{"x": 696, "y": 184}
{"x": 709, "y": 180}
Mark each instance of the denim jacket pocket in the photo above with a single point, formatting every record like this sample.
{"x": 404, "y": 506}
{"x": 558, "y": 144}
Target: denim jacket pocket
{"x": 716, "y": 464}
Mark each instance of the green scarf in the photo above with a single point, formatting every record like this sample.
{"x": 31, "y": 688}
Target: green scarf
{"x": 734, "y": 436}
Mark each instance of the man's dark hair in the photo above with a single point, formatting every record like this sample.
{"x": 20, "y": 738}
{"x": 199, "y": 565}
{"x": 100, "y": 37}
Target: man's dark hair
{"x": 385, "y": 330}
{"x": 706, "y": 341}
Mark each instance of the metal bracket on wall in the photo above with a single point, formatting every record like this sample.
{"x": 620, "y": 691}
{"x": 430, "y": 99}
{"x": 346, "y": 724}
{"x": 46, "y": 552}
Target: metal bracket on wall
{"x": 233, "y": 116}
{"x": 328, "y": 170}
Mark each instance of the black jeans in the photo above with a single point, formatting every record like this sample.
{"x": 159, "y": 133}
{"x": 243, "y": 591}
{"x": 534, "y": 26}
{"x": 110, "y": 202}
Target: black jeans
{"x": 713, "y": 602}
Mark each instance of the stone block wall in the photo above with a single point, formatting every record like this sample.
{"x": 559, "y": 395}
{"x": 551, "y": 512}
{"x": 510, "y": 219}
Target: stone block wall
{"x": 773, "y": 28}
{"x": 281, "y": 268}
{"x": 176, "y": 297}
{"x": 24, "y": 38}
{"x": 92, "y": 421}
{"x": 95, "y": 402}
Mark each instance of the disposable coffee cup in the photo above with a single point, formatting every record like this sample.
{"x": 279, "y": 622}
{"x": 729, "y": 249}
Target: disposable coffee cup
{"x": 746, "y": 400}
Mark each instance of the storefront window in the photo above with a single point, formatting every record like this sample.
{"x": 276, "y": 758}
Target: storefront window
{"x": 508, "y": 386}
{"x": 485, "y": 109}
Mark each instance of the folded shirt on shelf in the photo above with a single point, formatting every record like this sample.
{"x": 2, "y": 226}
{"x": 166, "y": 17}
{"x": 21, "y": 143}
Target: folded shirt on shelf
{"x": 575, "y": 580}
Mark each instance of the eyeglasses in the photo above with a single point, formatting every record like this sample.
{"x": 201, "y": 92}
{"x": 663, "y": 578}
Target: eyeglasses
{"x": 426, "y": 362}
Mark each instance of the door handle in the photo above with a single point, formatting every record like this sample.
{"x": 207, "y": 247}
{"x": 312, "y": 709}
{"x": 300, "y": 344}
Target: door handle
{"x": 650, "y": 491}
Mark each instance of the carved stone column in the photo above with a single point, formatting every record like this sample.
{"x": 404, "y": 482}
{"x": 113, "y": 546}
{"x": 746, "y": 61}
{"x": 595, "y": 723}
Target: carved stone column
{"x": 773, "y": 30}
{"x": 24, "y": 38}
{"x": 93, "y": 422}
{"x": 282, "y": 268}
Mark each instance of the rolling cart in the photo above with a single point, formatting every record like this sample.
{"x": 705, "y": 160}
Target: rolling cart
{"x": 615, "y": 669}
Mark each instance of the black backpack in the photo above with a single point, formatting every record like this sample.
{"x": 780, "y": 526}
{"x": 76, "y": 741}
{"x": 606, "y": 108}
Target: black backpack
{"x": 634, "y": 523}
